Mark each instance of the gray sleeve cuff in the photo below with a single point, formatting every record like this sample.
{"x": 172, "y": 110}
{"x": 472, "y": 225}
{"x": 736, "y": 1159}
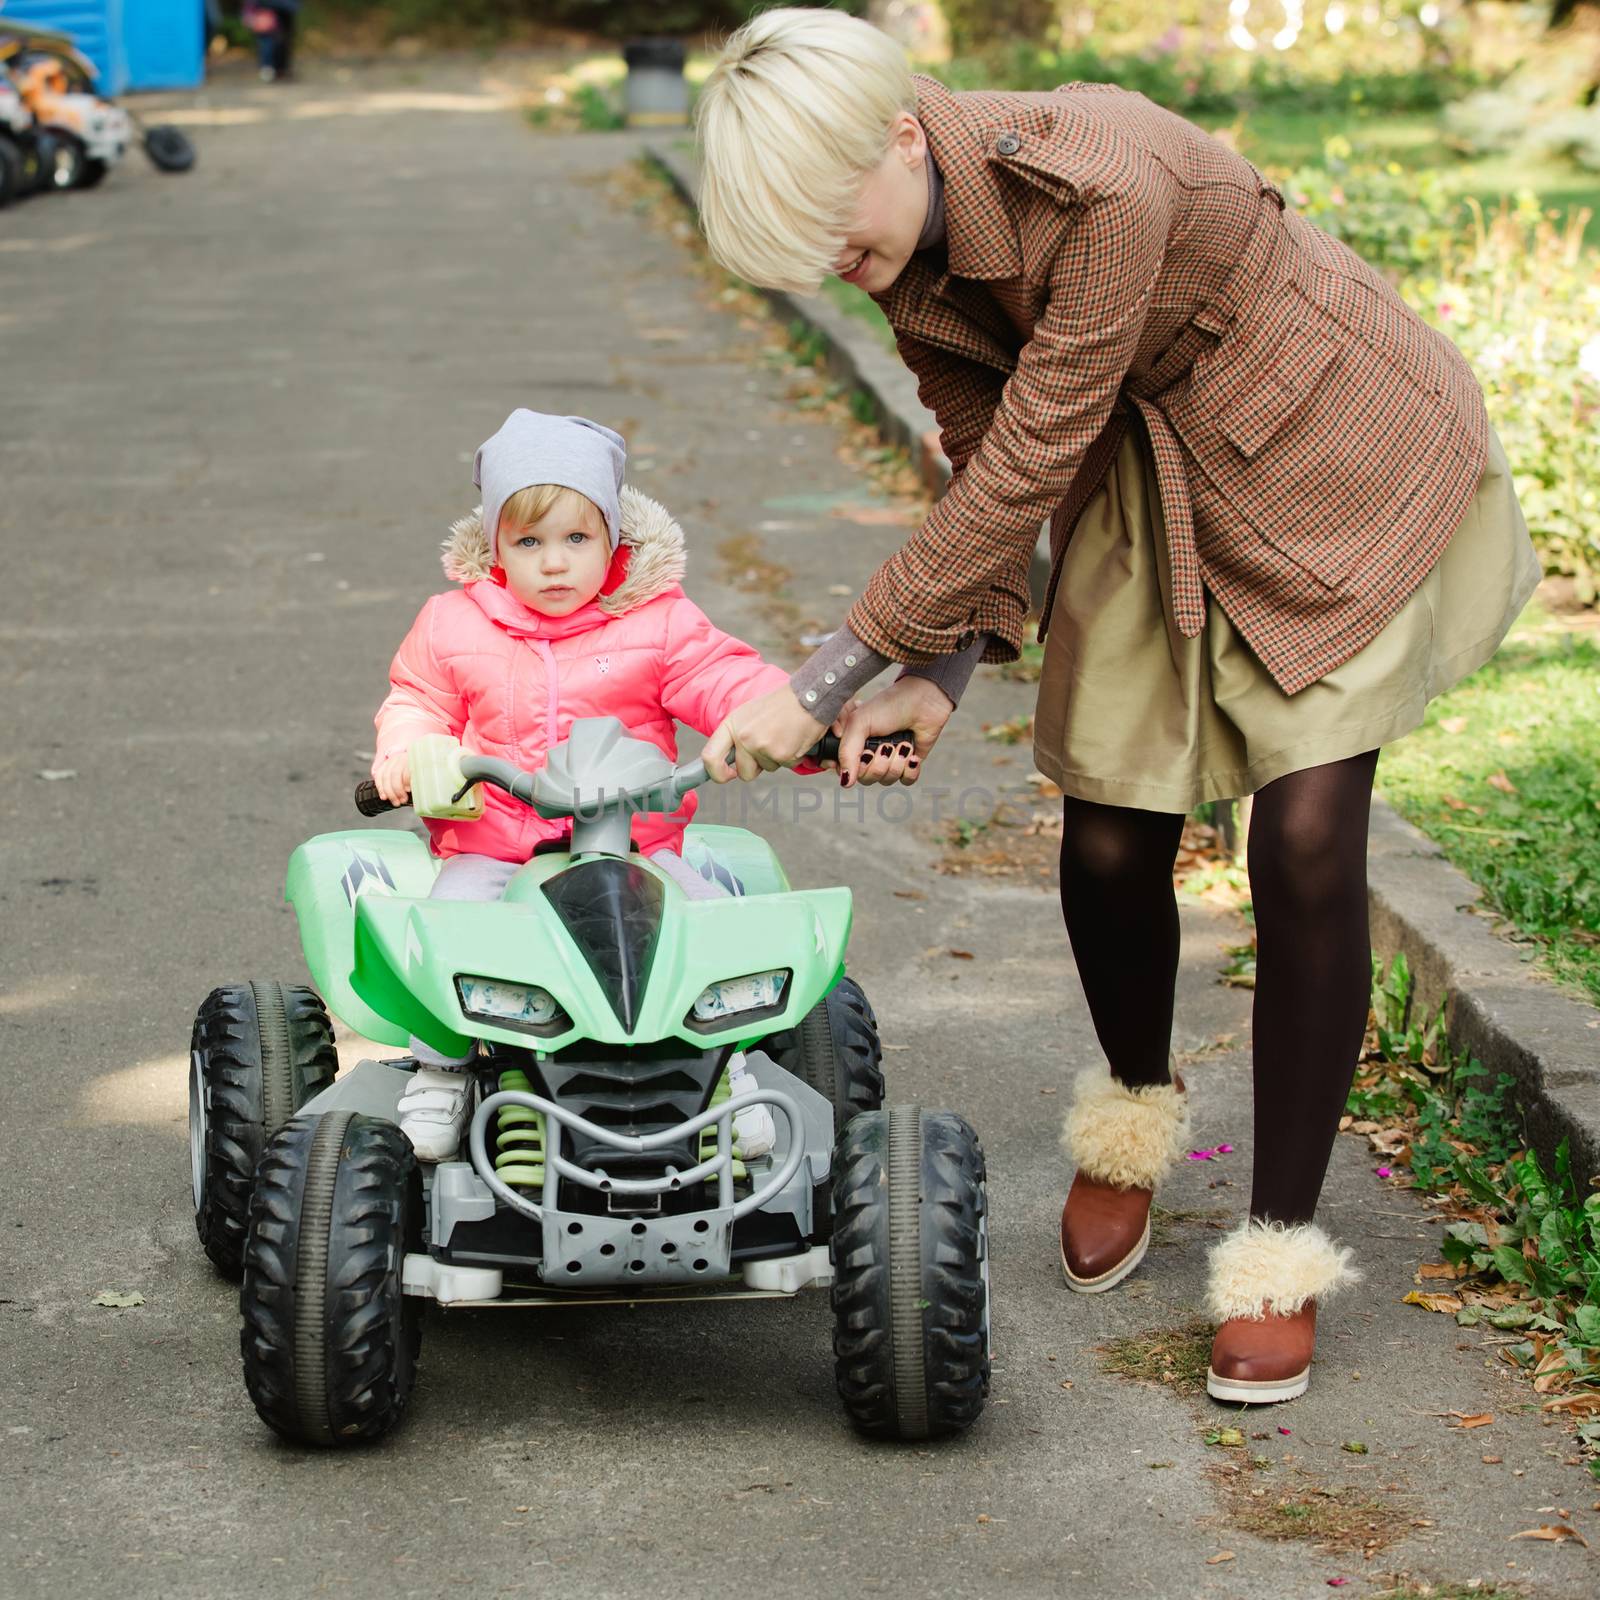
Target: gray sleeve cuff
{"x": 951, "y": 673}
{"x": 837, "y": 670}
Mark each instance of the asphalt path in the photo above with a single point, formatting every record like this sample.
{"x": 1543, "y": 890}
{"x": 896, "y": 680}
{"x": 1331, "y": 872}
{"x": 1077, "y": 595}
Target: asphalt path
{"x": 238, "y": 412}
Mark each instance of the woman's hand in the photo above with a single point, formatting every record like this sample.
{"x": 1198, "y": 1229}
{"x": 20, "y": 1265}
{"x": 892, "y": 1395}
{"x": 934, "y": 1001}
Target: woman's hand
{"x": 910, "y": 703}
{"x": 392, "y": 776}
{"x": 764, "y": 734}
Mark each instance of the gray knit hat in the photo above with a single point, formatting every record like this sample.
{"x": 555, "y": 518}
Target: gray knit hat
{"x": 534, "y": 448}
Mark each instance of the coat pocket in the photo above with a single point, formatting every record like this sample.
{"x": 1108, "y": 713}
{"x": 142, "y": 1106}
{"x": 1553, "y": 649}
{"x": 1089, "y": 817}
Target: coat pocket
{"x": 1282, "y": 391}
{"x": 1307, "y": 440}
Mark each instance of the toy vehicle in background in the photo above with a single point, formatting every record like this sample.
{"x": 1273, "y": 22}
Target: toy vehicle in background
{"x": 21, "y": 169}
{"x": 81, "y": 134}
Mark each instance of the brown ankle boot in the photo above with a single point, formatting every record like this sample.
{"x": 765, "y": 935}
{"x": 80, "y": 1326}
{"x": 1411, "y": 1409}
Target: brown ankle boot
{"x": 1122, "y": 1141}
{"x": 1105, "y": 1232}
{"x": 1266, "y": 1280}
{"x": 1259, "y": 1360}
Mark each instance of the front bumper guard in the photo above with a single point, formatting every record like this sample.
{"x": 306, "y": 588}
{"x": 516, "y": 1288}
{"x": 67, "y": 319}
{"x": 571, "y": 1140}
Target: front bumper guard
{"x": 587, "y": 1251}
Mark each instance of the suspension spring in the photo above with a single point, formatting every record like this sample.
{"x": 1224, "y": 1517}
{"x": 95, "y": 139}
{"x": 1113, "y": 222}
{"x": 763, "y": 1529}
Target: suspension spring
{"x": 519, "y": 1137}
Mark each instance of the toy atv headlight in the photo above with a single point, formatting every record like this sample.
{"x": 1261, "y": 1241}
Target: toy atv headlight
{"x": 757, "y": 992}
{"x": 522, "y": 1006}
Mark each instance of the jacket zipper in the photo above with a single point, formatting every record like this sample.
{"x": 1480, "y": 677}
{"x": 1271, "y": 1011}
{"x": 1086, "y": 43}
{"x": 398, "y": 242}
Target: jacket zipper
{"x": 551, "y": 700}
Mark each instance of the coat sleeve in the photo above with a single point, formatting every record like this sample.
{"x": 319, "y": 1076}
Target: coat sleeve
{"x": 708, "y": 673}
{"x": 423, "y": 695}
{"x": 951, "y": 578}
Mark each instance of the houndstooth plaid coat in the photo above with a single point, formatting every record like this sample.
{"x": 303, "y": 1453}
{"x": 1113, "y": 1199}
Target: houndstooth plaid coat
{"x": 1315, "y": 442}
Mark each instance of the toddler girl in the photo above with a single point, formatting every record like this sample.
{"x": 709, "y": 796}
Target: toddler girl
{"x": 569, "y": 606}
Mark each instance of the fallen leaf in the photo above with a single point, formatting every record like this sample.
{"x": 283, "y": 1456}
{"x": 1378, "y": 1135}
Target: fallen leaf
{"x": 1066, "y": 1383}
{"x": 1227, "y": 1437}
{"x": 1219, "y": 1558}
{"x": 962, "y": 955}
{"x": 1478, "y": 1419}
{"x": 1453, "y": 724}
{"x": 1433, "y": 1302}
{"x": 983, "y": 1516}
{"x": 1498, "y": 780}
{"x": 1337, "y": 1583}
{"x": 1354, "y": 1446}
{"x": 1553, "y": 1532}
{"x": 118, "y": 1298}
{"x": 909, "y": 894}
{"x": 1157, "y": 1466}
{"x": 1437, "y": 1269}
{"x": 1575, "y": 1404}
{"x": 1492, "y": 1461}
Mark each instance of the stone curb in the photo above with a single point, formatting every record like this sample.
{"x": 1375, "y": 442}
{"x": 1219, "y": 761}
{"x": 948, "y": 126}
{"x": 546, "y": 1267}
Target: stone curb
{"x": 855, "y": 356}
{"x": 1511, "y": 1020}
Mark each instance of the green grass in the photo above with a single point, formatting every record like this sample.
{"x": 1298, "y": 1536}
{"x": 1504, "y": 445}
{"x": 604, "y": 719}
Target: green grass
{"x": 1286, "y": 139}
{"x": 1503, "y": 775}
{"x": 858, "y": 303}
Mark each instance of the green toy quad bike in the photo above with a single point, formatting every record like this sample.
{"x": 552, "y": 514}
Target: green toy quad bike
{"x": 602, "y": 1161}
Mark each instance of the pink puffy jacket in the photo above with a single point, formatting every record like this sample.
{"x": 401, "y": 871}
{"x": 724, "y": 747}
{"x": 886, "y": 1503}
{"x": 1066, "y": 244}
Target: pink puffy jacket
{"x": 480, "y": 665}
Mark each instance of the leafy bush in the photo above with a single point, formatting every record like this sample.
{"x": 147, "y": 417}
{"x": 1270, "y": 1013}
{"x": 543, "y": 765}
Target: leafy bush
{"x": 1521, "y": 299}
{"x": 487, "y": 19}
{"x": 1209, "y": 86}
{"x": 1396, "y": 219}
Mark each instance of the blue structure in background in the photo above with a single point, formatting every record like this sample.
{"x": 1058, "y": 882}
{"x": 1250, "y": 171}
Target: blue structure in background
{"x": 134, "y": 44}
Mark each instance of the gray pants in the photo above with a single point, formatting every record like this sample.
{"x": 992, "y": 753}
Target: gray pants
{"x": 468, "y": 877}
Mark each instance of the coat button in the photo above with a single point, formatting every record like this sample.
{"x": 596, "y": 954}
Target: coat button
{"x": 811, "y": 697}
{"x": 1008, "y": 144}
{"x": 830, "y": 677}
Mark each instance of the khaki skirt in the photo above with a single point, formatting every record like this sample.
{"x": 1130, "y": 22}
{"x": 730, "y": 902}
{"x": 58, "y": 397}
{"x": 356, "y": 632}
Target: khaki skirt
{"x": 1131, "y": 713}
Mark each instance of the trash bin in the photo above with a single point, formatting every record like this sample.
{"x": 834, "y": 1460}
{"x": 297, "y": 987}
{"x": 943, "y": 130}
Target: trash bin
{"x": 657, "y": 93}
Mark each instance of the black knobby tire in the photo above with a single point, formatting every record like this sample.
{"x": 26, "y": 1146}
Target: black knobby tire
{"x": 911, "y": 1285}
{"x": 258, "y": 1052}
{"x": 68, "y": 161}
{"x": 13, "y": 171}
{"x": 835, "y": 1049}
{"x": 169, "y": 148}
{"x": 330, "y": 1340}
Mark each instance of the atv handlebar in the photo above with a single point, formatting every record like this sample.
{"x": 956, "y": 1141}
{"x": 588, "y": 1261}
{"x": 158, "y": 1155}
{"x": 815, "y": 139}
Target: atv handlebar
{"x": 665, "y": 796}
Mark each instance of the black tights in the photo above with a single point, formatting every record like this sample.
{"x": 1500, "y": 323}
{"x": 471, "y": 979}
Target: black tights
{"x": 1308, "y": 881}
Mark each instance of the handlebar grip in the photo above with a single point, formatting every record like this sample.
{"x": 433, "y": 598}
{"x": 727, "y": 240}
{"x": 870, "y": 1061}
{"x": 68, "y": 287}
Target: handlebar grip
{"x": 369, "y": 802}
{"x": 827, "y": 747}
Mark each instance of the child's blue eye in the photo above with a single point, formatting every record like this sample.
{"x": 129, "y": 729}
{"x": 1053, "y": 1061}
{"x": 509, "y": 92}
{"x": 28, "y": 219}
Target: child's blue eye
{"x": 579, "y": 535}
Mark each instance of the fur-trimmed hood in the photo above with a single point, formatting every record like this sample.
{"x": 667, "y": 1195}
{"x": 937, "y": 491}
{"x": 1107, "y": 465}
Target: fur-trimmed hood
{"x": 651, "y": 537}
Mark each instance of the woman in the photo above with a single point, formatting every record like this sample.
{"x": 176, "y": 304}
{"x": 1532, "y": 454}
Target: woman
{"x": 1280, "y": 523}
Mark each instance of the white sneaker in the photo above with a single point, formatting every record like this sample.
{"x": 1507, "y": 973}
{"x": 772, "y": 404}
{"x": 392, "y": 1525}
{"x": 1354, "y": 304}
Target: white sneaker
{"x": 434, "y": 1111}
{"x": 757, "y": 1133}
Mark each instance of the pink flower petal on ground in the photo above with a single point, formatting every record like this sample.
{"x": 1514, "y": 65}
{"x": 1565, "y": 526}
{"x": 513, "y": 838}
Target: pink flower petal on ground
{"x": 1199, "y": 1155}
{"x": 1384, "y": 1172}
{"x": 1224, "y": 1149}
{"x": 1337, "y": 1583}
{"x": 1284, "y": 1432}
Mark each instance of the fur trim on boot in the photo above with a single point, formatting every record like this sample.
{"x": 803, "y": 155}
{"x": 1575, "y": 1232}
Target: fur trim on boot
{"x": 1266, "y": 1263}
{"x": 1121, "y": 1136}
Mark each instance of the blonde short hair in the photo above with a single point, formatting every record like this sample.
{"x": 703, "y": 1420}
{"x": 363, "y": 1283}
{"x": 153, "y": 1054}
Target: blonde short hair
{"x": 794, "y": 115}
{"x": 526, "y": 506}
